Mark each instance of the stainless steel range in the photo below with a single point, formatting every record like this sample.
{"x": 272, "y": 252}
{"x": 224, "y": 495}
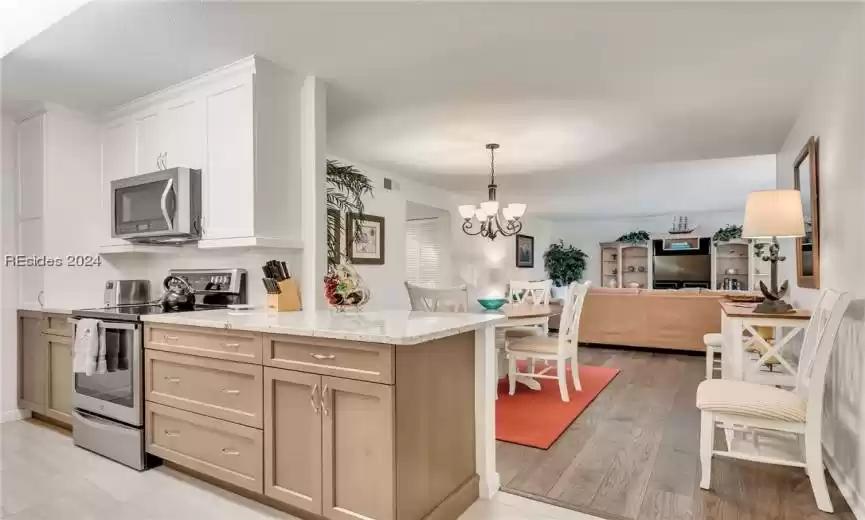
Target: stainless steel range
{"x": 108, "y": 414}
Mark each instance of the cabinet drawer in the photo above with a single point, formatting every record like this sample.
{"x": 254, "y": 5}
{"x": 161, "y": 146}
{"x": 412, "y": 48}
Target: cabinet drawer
{"x": 221, "y": 389}
{"x": 231, "y": 345}
{"x": 354, "y": 360}
{"x": 220, "y": 449}
{"x": 58, "y": 325}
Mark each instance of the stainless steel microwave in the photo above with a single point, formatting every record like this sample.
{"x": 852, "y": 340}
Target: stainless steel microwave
{"x": 158, "y": 207}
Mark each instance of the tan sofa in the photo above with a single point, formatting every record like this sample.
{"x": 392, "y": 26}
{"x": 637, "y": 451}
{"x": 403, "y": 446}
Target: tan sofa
{"x": 675, "y": 320}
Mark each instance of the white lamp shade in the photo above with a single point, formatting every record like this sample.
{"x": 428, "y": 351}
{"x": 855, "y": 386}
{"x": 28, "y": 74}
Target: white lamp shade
{"x": 517, "y": 209}
{"x": 467, "y": 210}
{"x": 506, "y": 212}
{"x": 479, "y": 213}
{"x": 774, "y": 213}
{"x": 490, "y": 207}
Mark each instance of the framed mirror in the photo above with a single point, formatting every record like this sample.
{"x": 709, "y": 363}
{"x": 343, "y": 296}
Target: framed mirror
{"x": 806, "y": 174}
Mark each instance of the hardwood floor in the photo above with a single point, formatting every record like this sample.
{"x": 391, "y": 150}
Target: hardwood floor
{"x": 634, "y": 454}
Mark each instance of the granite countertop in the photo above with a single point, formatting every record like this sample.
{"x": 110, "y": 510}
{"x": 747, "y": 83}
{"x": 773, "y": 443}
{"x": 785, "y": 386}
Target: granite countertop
{"x": 35, "y": 307}
{"x": 393, "y": 327}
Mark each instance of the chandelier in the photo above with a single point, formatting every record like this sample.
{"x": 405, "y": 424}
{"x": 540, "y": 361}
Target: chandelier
{"x": 487, "y": 214}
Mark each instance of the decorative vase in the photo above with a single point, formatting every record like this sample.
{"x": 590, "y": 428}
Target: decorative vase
{"x": 560, "y": 293}
{"x": 344, "y": 288}
{"x": 612, "y": 283}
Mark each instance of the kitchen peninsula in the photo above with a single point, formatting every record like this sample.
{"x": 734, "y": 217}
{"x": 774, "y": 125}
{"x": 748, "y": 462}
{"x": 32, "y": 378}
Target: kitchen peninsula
{"x": 378, "y": 415}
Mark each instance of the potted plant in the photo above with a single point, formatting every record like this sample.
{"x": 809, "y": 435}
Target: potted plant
{"x": 727, "y": 233}
{"x": 634, "y": 237}
{"x": 346, "y": 187}
{"x": 564, "y": 264}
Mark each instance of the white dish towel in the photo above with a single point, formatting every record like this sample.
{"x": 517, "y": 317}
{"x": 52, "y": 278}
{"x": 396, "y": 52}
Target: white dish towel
{"x": 86, "y": 347}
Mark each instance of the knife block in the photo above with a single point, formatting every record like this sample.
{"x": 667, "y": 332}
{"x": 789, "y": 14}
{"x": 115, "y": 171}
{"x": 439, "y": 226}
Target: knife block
{"x": 287, "y": 300}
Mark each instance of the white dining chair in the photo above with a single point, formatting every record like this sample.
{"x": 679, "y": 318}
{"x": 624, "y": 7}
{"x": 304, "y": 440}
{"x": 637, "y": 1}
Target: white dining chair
{"x": 559, "y": 349}
{"x": 449, "y": 299}
{"x": 785, "y": 426}
{"x": 529, "y": 293}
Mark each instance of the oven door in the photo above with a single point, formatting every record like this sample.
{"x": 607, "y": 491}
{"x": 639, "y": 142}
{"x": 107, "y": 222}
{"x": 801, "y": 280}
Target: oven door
{"x": 116, "y": 394}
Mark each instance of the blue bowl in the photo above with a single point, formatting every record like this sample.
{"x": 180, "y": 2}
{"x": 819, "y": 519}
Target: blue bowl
{"x": 491, "y": 304}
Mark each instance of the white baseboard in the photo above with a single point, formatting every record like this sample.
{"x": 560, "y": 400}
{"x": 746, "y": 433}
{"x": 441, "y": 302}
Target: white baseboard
{"x": 14, "y": 415}
{"x": 851, "y": 494}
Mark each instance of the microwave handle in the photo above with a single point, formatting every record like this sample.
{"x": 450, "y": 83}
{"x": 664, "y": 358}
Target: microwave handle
{"x": 163, "y": 203}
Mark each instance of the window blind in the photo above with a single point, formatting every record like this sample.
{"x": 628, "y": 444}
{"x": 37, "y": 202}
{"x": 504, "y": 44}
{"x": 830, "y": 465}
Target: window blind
{"x": 424, "y": 253}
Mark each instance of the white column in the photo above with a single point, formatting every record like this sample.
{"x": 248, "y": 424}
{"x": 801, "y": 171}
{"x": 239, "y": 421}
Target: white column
{"x": 313, "y": 173}
{"x": 485, "y": 411}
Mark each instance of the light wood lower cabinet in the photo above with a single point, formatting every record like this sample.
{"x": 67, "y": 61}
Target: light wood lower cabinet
{"x": 45, "y": 376}
{"x": 221, "y": 449}
{"x": 350, "y": 431}
{"x": 329, "y": 445}
{"x": 292, "y": 438}
{"x": 32, "y": 364}
{"x": 58, "y": 403}
{"x": 358, "y": 447}
{"x": 220, "y": 389}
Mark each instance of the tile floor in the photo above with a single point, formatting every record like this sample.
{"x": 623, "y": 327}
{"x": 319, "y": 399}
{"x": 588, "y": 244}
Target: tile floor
{"x": 43, "y": 476}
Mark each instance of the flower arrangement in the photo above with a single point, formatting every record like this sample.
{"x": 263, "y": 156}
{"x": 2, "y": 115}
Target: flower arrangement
{"x": 344, "y": 288}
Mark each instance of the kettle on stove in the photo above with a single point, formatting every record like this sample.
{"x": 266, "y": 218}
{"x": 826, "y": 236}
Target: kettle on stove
{"x": 178, "y": 296}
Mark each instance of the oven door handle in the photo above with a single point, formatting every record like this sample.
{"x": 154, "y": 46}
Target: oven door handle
{"x": 113, "y": 325}
{"x": 107, "y": 325}
{"x": 163, "y": 203}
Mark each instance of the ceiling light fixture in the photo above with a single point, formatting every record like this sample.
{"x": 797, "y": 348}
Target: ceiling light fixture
{"x": 487, "y": 213}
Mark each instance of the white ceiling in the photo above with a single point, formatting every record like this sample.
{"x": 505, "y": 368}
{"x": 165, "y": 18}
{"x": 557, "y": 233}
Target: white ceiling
{"x": 419, "y": 88}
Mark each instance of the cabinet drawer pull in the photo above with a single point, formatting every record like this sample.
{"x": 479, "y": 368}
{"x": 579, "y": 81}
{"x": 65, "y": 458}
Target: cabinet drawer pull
{"x": 312, "y": 398}
{"x": 171, "y": 433}
{"x": 171, "y": 338}
{"x": 229, "y": 451}
{"x": 322, "y": 356}
{"x": 230, "y": 391}
{"x": 231, "y": 345}
{"x": 324, "y": 400}
{"x": 170, "y": 379}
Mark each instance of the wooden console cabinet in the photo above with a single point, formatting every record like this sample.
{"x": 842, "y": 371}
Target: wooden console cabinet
{"x": 45, "y": 365}
{"x": 338, "y": 429}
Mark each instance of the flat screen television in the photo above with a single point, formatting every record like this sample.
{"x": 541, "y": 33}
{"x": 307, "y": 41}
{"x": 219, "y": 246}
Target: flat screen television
{"x": 683, "y": 268}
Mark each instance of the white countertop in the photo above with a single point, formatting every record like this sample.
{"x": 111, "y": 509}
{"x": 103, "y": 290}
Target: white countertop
{"x": 35, "y": 307}
{"x": 394, "y": 327}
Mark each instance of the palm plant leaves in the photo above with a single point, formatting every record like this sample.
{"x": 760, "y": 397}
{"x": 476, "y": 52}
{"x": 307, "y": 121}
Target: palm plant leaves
{"x": 346, "y": 187}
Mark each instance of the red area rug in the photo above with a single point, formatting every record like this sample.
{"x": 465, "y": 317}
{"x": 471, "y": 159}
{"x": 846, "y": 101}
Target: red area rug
{"x": 538, "y": 418}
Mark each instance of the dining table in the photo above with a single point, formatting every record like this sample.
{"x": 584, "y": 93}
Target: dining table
{"x": 522, "y": 315}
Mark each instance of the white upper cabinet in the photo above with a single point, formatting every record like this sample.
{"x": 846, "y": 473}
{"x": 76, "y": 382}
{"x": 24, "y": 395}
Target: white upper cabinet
{"x": 230, "y": 185}
{"x": 240, "y": 126}
{"x": 148, "y": 141}
{"x": 182, "y": 129}
{"x": 31, "y": 166}
{"x": 118, "y": 161}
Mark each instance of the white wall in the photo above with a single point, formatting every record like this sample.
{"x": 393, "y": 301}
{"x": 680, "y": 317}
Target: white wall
{"x": 481, "y": 264}
{"x": 835, "y": 112}
{"x": 8, "y": 276}
{"x": 586, "y": 234}
{"x": 682, "y": 188}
